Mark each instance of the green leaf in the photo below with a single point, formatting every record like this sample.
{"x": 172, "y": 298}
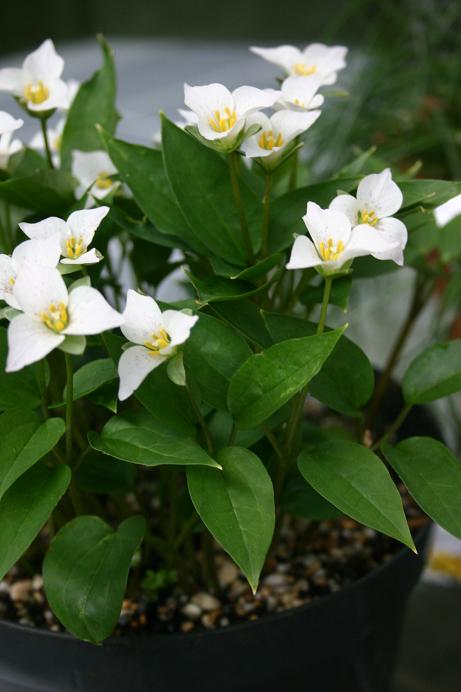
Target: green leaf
{"x": 136, "y": 437}
{"x": 91, "y": 376}
{"x": 98, "y": 473}
{"x": 356, "y": 481}
{"x": 25, "y": 508}
{"x": 435, "y": 373}
{"x": 75, "y": 345}
{"x": 24, "y": 440}
{"x": 45, "y": 192}
{"x": 449, "y": 240}
{"x": 432, "y": 475}
{"x": 200, "y": 181}
{"x": 212, "y": 354}
{"x": 268, "y": 380}
{"x": 300, "y": 499}
{"x": 237, "y": 506}
{"x": 216, "y": 289}
{"x": 245, "y": 316}
{"x": 94, "y": 104}
{"x": 85, "y": 573}
{"x": 17, "y": 389}
{"x": 427, "y": 193}
{"x": 166, "y": 402}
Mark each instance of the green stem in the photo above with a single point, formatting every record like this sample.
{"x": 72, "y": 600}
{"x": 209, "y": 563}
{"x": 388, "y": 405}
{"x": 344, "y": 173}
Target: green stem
{"x": 266, "y": 209}
{"x": 325, "y": 302}
{"x": 392, "y": 429}
{"x": 69, "y": 406}
{"x": 294, "y": 169}
{"x": 46, "y": 142}
{"x": 233, "y": 171}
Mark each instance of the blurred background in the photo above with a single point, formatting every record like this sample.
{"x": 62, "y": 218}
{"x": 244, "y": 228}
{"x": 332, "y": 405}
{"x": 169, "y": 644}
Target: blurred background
{"x": 400, "y": 93}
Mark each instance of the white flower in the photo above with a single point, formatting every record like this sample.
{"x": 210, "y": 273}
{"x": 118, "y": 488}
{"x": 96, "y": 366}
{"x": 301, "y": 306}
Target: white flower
{"x": 300, "y": 93}
{"x": 447, "y": 211}
{"x": 378, "y": 198}
{"x": 50, "y": 313}
{"x": 93, "y": 169}
{"x": 334, "y": 244}
{"x": 8, "y": 147}
{"x": 73, "y": 85}
{"x": 276, "y": 134}
{"x": 44, "y": 252}
{"x": 157, "y": 336}
{"x": 222, "y": 115}
{"x": 38, "y": 83}
{"x": 316, "y": 59}
{"x": 54, "y": 140}
{"x": 75, "y": 234}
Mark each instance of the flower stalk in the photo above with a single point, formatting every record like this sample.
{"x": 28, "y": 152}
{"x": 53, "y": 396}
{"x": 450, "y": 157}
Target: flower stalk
{"x": 46, "y": 142}
{"x": 233, "y": 171}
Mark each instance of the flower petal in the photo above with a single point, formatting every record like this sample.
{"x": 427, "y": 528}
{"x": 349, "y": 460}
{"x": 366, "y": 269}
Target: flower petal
{"x": 45, "y": 251}
{"x": 7, "y": 278}
{"x": 378, "y": 192}
{"x": 37, "y": 287}
{"x": 93, "y": 256}
{"x": 84, "y": 222}
{"x": 178, "y": 325}
{"x": 326, "y": 224}
{"x": 303, "y": 254}
{"x": 141, "y": 317}
{"x": 205, "y": 100}
{"x": 45, "y": 229}
{"x": 43, "y": 64}
{"x": 248, "y": 99}
{"x": 88, "y": 165}
{"x": 283, "y": 56}
{"x": 447, "y": 211}
{"x": 58, "y": 98}
{"x": 133, "y": 367}
{"x": 90, "y": 313}
{"x": 9, "y": 124}
{"x": 348, "y": 205}
{"x": 365, "y": 240}
{"x": 29, "y": 341}
{"x": 395, "y": 232}
{"x": 300, "y": 91}
{"x": 293, "y": 123}
{"x": 327, "y": 59}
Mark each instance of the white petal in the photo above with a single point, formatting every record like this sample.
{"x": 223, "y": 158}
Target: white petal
{"x": 44, "y": 251}
{"x": 248, "y": 99}
{"x": 29, "y": 341}
{"x": 283, "y": 56}
{"x": 8, "y": 273}
{"x": 378, "y": 192}
{"x": 87, "y": 166}
{"x": 37, "y": 287}
{"x": 205, "y": 100}
{"x": 365, "y": 240}
{"x": 45, "y": 229}
{"x": 8, "y": 123}
{"x": 251, "y": 145}
{"x": 91, "y": 257}
{"x": 303, "y": 254}
{"x": 11, "y": 80}
{"x": 90, "y": 313}
{"x": 293, "y": 123}
{"x": 327, "y": 59}
{"x": 395, "y": 233}
{"x": 326, "y": 224}
{"x": 447, "y": 211}
{"x": 133, "y": 367}
{"x": 189, "y": 117}
{"x": 178, "y": 326}
{"x": 300, "y": 91}
{"x": 58, "y": 97}
{"x": 141, "y": 318}
{"x": 347, "y": 204}
{"x": 43, "y": 64}
{"x": 84, "y": 222}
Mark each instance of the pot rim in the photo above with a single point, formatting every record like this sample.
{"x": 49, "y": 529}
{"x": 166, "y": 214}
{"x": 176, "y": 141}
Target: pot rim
{"x": 139, "y": 640}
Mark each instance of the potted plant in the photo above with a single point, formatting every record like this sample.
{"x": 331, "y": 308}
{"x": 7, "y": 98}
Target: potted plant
{"x": 154, "y": 456}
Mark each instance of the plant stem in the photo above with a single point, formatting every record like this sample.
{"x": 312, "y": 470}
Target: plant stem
{"x": 294, "y": 169}
{"x": 46, "y": 142}
{"x": 69, "y": 406}
{"x": 393, "y": 427}
{"x": 325, "y": 301}
{"x": 233, "y": 171}
{"x": 266, "y": 209}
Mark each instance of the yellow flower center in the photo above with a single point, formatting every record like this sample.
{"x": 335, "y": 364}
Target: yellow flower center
{"x": 36, "y": 93}
{"x": 329, "y": 251}
{"x": 223, "y": 120}
{"x": 303, "y": 70}
{"x": 368, "y": 217}
{"x": 103, "y": 181}
{"x": 268, "y": 140}
{"x": 11, "y": 281}
{"x": 75, "y": 247}
{"x": 299, "y": 103}
{"x": 159, "y": 340}
{"x": 55, "y": 317}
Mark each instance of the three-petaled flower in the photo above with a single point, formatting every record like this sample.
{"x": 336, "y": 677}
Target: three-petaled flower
{"x": 222, "y": 115}
{"x": 50, "y": 313}
{"x": 75, "y": 234}
{"x": 93, "y": 171}
{"x": 378, "y": 198}
{"x": 156, "y": 335}
{"x": 300, "y": 94}
{"x": 316, "y": 60}
{"x": 38, "y": 84}
{"x": 276, "y": 134}
{"x": 334, "y": 242}
{"x": 8, "y": 125}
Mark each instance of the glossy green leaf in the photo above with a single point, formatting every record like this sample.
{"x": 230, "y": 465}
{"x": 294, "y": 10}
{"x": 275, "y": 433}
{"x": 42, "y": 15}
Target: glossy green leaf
{"x": 85, "y": 573}
{"x": 50, "y": 193}
{"x": 428, "y": 193}
{"x": 136, "y": 437}
{"x": 268, "y": 380}
{"x": 217, "y": 289}
{"x": 435, "y": 373}
{"x": 357, "y": 482}
{"x": 92, "y": 376}
{"x": 245, "y": 316}
{"x": 24, "y": 440}
{"x": 237, "y": 506}
{"x": 93, "y": 105}
{"x": 99, "y": 473}
{"x": 213, "y": 352}
{"x": 432, "y": 475}
{"x": 25, "y": 508}
{"x": 300, "y": 499}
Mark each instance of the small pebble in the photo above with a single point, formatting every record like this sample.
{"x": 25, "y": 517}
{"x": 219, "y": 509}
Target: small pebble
{"x": 205, "y": 601}
{"x": 192, "y": 611}
{"x": 20, "y": 590}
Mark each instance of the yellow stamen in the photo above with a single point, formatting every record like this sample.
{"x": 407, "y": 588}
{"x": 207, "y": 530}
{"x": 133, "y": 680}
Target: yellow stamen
{"x": 328, "y": 251}
{"x": 268, "y": 140}
{"x": 223, "y": 120}
{"x": 103, "y": 181}
{"x": 75, "y": 247}
{"x": 11, "y": 281}
{"x": 299, "y": 103}
{"x": 159, "y": 340}
{"x": 303, "y": 70}
{"x": 55, "y": 317}
{"x": 36, "y": 93}
{"x": 368, "y": 217}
